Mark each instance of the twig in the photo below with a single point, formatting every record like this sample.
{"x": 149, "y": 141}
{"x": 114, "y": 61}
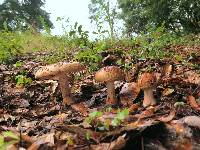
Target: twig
{"x": 196, "y": 89}
{"x": 110, "y": 142}
{"x": 142, "y": 143}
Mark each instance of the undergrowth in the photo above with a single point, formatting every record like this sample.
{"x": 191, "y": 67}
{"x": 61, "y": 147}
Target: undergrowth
{"x": 76, "y": 45}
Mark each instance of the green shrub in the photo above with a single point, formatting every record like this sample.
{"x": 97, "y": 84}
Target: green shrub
{"x": 10, "y": 46}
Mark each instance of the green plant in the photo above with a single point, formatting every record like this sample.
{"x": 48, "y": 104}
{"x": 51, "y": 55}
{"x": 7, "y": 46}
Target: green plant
{"x": 121, "y": 115}
{"x": 93, "y": 119}
{"x": 10, "y": 46}
{"x": 11, "y": 139}
{"x": 22, "y": 80}
{"x": 18, "y": 64}
{"x": 93, "y": 116}
{"x": 103, "y": 12}
{"x": 70, "y": 141}
{"x": 152, "y": 45}
{"x": 88, "y": 136}
{"x": 90, "y": 58}
{"x": 179, "y": 104}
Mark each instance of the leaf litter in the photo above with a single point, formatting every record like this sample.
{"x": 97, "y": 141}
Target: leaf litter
{"x": 35, "y": 115}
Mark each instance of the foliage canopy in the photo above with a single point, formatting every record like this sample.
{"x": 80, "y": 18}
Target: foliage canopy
{"x": 20, "y": 15}
{"x": 177, "y": 15}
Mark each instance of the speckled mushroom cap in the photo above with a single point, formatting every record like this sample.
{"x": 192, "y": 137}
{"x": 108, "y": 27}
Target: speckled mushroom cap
{"x": 109, "y": 74}
{"x": 49, "y": 71}
{"x": 147, "y": 80}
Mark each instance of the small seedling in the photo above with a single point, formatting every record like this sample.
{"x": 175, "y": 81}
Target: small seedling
{"x": 88, "y": 136}
{"x": 107, "y": 123}
{"x": 70, "y": 141}
{"x": 8, "y": 135}
{"x": 179, "y": 104}
{"x": 18, "y": 64}
{"x": 93, "y": 116}
{"x": 22, "y": 80}
{"x": 121, "y": 115}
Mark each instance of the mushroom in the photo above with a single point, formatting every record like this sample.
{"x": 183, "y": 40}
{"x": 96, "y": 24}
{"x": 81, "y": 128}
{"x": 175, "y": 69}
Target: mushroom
{"x": 167, "y": 70}
{"x": 61, "y": 72}
{"x": 147, "y": 83}
{"x": 110, "y": 74}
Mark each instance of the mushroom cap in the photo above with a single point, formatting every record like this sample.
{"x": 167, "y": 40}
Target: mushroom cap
{"x": 109, "y": 74}
{"x": 50, "y": 71}
{"x": 147, "y": 80}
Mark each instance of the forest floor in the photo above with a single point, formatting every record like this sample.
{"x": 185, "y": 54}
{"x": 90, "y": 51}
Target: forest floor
{"x": 32, "y": 109}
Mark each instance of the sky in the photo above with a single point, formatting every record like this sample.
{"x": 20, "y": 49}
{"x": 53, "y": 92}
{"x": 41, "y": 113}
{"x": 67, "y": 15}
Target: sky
{"x": 75, "y": 10}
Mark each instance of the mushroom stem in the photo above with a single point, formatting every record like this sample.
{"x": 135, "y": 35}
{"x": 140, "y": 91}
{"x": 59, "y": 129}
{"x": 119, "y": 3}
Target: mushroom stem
{"x": 148, "y": 97}
{"x": 65, "y": 90}
{"x": 111, "y": 99}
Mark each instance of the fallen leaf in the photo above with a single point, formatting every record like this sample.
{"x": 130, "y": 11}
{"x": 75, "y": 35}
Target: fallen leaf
{"x": 184, "y": 145}
{"x": 133, "y": 107}
{"x": 81, "y": 107}
{"x": 147, "y": 113}
{"x": 168, "y": 118}
{"x": 193, "y": 121}
{"x": 130, "y": 89}
{"x": 192, "y": 102}
{"x": 117, "y": 144}
{"x": 167, "y": 91}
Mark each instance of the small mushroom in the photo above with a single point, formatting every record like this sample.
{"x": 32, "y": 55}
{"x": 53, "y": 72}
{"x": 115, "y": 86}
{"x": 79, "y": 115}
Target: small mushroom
{"x": 61, "y": 72}
{"x": 147, "y": 83}
{"x": 110, "y": 74}
{"x": 167, "y": 70}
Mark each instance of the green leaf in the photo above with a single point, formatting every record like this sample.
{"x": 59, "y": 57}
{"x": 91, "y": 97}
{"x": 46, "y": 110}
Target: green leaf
{"x": 88, "y": 136}
{"x": 122, "y": 114}
{"x": 11, "y": 135}
{"x": 95, "y": 114}
{"x": 18, "y": 64}
{"x": 1, "y": 140}
{"x": 115, "y": 122}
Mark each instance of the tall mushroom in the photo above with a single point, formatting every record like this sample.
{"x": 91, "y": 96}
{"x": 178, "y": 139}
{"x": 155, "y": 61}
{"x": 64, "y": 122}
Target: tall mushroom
{"x": 60, "y": 72}
{"x": 110, "y": 74}
{"x": 147, "y": 82}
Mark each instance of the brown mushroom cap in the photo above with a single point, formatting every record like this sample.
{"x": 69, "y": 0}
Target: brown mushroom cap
{"x": 147, "y": 80}
{"x": 109, "y": 74}
{"x": 52, "y": 70}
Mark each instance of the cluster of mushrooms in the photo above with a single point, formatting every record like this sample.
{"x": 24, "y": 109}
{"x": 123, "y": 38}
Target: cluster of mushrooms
{"x": 61, "y": 72}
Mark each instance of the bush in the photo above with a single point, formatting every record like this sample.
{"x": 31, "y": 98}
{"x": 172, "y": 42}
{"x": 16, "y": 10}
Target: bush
{"x": 10, "y": 46}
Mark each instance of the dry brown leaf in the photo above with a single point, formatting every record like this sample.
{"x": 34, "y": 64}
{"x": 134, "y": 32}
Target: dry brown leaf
{"x": 74, "y": 129}
{"x": 167, "y": 91}
{"x": 184, "y": 145}
{"x": 147, "y": 113}
{"x": 192, "y": 121}
{"x": 133, "y": 107}
{"x": 35, "y": 145}
{"x": 59, "y": 118}
{"x": 13, "y": 147}
{"x": 117, "y": 144}
{"x": 81, "y": 107}
{"x": 192, "y": 102}
{"x": 192, "y": 77}
{"x": 168, "y": 118}
{"x": 179, "y": 127}
{"x": 48, "y": 138}
{"x": 131, "y": 89}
